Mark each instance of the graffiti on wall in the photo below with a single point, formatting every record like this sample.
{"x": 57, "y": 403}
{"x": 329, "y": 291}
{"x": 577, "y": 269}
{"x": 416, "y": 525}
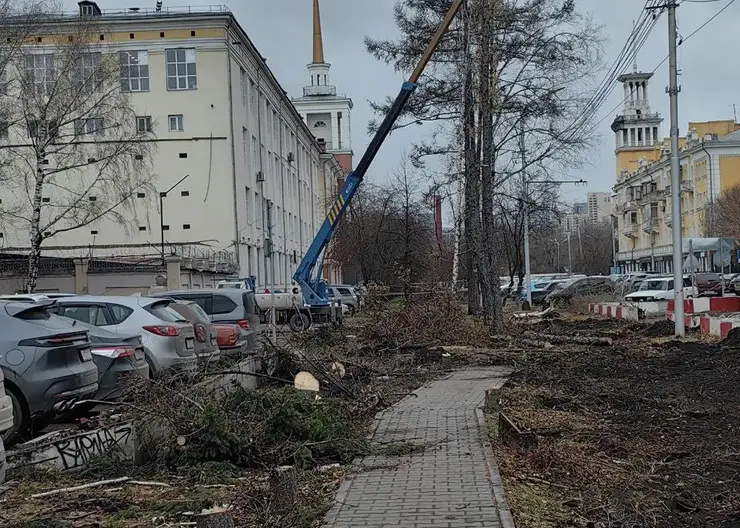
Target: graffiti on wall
{"x": 77, "y": 451}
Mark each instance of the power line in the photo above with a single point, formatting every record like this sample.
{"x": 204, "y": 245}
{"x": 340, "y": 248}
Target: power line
{"x": 635, "y": 41}
{"x": 697, "y": 30}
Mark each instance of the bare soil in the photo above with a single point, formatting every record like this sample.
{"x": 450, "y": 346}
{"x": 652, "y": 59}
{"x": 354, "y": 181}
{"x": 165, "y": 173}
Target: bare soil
{"x": 641, "y": 434}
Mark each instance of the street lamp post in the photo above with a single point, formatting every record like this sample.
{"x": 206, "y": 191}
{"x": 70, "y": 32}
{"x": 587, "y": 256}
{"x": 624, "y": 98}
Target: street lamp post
{"x": 162, "y": 195}
{"x": 528, "y": 278}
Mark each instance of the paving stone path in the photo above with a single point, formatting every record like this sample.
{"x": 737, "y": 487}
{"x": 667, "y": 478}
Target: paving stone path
{"x": 447, "y": 484}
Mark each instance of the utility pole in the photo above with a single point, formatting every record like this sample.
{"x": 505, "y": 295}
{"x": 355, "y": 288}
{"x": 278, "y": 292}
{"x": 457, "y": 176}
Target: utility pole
{"x": 527, "y": 267}
{"x": 570, "y": 257}
{"x": 673, "y": 90}
{"x": 270, "y": 252}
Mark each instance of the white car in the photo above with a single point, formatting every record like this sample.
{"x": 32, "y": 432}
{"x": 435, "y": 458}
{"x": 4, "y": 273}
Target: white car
{"x": 661, "y": 289}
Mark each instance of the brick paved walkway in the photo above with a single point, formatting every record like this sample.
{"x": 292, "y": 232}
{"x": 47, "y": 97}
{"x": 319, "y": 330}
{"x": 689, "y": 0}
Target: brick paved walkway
{"x": 446, "y": 485}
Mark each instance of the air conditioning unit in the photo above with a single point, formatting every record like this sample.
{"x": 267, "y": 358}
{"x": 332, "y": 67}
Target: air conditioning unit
{"x": 260, "y": 176}
{"x": 291, "y": 157}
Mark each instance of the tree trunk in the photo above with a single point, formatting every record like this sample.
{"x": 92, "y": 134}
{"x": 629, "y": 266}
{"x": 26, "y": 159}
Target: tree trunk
{"x": 488, "y": 258}
{"x": 35, "y": 235}
{"x": 471, "y": 213}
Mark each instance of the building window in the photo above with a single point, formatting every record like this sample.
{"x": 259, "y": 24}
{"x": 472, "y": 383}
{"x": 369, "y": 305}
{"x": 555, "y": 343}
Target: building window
{"x": 176, "y": 123}
{"x": 134, "y": 71}
{"x": 143, "y": 124}
{"x": 184, "y": 193}
{"x": 183, "y": 155}
{"x": 319, "y": 124}
{"x": 186, "y": 226}
{"x": 42, "y": 129}
{"x": 4, "y": 129}
{"x": 245, "y": 144}
{"x": 88, "y": 72}
{"x": 40, "y": 73}
{"x": 142, "y": 228}
{"x": 140, "y": 195}
{"x": 243, "y": 80}
{"x": 252, "y": 96}
{"x": 181, "y": 69}
{"x": 91, "y": 125}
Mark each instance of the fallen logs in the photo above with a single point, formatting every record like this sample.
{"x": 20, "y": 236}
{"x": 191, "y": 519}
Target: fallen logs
{"x": 580, "y": 340}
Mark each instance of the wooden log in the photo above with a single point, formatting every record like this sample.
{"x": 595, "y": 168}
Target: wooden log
{"x": 581, "y": 340}
{"x": 510, "y": 435}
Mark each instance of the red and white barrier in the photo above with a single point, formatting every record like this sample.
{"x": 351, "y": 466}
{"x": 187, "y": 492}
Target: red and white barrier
{"x": 615, "y": 310}
{"x": 708, "y": 304}
{"x": 719, "y": 326}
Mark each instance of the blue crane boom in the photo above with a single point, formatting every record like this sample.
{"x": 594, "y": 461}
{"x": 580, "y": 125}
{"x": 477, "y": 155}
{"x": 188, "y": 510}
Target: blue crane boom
{"x": 312, "y": 287}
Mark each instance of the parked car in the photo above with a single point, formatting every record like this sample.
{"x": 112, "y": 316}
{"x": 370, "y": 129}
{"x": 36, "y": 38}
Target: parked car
{"x": 348, "y": 296}
{"x": 169, "y": 340}
{"x": 333, "y": 295}
{"x": 232, "y": 339}
{"x": 538, "y": 295}
{"x": 661, "y": 289}
{"x": 708, "y": 283}
{"x": 47, "y": 365}
{"x": 595, "y": 285}
{"x": 226, "y": 305}
{"x": 6, "y": 422}
{"x": 206, "y": 339}
{"x": 734, "y": 285}
{"x": 117, "y": 356}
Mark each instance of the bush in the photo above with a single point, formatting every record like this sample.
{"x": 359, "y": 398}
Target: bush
{"x": 438, "y": 317}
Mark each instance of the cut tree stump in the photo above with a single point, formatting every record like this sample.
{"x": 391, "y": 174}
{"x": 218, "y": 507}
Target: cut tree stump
{"x": 214, "y": 518}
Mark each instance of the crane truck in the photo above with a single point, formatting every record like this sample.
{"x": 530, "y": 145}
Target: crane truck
{"x": 316, "y": 306}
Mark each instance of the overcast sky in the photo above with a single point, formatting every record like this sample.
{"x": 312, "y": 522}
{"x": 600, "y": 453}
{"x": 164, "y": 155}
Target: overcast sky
{"x": 281, "y": 30}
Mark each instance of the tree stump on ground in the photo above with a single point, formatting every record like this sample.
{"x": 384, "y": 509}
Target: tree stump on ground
{"x": 214, "y": 518}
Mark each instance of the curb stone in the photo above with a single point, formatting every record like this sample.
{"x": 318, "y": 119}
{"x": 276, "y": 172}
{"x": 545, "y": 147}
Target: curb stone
{"x": 504, "y": 512}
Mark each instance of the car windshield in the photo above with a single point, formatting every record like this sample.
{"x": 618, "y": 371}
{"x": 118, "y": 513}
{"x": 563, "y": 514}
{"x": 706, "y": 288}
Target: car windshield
{"x": 651, "y": 285}
{"x": 555, "y": 286}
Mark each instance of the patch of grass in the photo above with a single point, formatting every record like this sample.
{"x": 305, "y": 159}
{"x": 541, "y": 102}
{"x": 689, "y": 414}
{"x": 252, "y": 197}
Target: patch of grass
{"x": 537, "y": 506}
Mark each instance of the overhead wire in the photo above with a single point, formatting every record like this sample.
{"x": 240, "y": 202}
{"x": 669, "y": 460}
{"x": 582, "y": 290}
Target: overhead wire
{"x": 635, "y": 41}
{"x": 697, "y": 30}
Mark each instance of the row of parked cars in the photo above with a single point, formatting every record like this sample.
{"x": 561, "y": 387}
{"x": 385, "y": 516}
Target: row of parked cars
{"x": 61, "y": 353}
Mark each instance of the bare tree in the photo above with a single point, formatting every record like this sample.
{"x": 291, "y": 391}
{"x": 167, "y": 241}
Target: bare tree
{"x": 507, "y": 69}
{"x": 389, "y": 234}
{"x": 76, "y": 153}
{"x": 721, "y": 216}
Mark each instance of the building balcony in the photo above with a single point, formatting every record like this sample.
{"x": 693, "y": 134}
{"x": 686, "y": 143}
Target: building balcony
{"x": 319, "y": 90}
{"x": 687, "y": 186}
{"x": 625, "y": 207}
{"x": 631, "y": 230}
{"x": 652, "y": 225}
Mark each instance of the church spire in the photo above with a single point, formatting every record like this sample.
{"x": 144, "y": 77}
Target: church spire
{"x": 318, "y": 44}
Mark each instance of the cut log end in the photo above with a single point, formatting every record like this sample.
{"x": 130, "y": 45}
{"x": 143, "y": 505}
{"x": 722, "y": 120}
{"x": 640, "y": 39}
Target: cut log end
{"x": 214, "y": 519}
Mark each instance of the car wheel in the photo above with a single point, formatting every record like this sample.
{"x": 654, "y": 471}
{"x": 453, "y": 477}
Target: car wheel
{"x": 21, "y": 420}
{"x": 299, "y": 322}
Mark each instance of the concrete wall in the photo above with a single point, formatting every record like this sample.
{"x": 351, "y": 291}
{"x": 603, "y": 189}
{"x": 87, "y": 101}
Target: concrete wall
{"x": 114, "y": 283}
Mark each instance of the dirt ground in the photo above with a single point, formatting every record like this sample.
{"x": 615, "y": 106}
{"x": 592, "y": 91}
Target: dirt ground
{"x": 644, "y": 433}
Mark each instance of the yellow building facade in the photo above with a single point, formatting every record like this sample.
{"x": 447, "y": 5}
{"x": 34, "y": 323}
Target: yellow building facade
{"x": 709, "y": 164}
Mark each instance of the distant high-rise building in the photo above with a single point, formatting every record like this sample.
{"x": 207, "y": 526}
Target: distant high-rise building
{"x": 580, "y": 208}
{"x": 599, "y": 206}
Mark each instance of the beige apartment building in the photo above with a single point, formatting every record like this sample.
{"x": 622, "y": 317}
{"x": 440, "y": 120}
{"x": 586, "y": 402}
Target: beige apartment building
{"x": 220, "y": 117}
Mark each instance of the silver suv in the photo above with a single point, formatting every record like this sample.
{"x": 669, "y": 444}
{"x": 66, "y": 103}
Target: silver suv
{"x": 169, "y": 340}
